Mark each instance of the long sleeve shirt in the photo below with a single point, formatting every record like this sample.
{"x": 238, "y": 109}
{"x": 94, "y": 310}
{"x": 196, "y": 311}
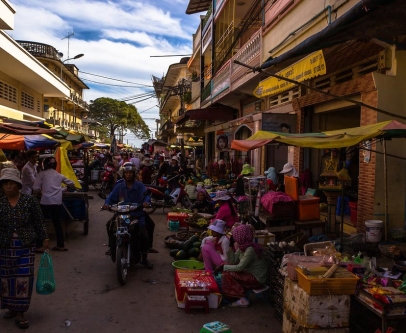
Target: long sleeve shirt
{"x": 28, "y": 174}
{"x": 247, "y": 261}
{"x": 25, "y": 219}
{"x": 50, "y": 183}
{"x": 133, "y": 194}
{"x": 224, "y": 213}
{"x": 222, "y": 246}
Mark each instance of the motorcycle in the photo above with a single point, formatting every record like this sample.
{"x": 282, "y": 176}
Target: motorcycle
{"x": 160, "y": 199}
{"x": 107, "y": 180}
{"x": 123, "y": 251}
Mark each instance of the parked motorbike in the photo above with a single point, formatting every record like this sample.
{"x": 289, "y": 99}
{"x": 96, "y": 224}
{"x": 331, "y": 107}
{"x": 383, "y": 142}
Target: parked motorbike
{"x": 123, "y": 250}
{"x": 107, "y": 180}
{"x": 160, "y": 198}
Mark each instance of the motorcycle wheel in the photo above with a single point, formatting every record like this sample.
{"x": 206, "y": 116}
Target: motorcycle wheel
{"x": 121, "y": 263}
{"x": 185, "y": 201}
{"x": 150, "y": 210}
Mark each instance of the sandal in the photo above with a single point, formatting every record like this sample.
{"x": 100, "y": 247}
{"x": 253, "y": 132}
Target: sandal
{"x": 241, "y": 303}
{"x": 9, "y": 314}
{"x": 22, "y": 323}
{"x": 151, "y": 250}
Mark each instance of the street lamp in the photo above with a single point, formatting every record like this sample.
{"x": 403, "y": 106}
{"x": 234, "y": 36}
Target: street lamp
{"x": 80, "y": 55}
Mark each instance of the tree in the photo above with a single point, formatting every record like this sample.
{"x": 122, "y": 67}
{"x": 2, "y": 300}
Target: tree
{"x": 114, "y": 114}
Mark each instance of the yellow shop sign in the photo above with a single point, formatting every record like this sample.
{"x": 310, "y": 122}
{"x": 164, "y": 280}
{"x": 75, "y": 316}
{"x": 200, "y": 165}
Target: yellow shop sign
{"x": 306, "y": 68}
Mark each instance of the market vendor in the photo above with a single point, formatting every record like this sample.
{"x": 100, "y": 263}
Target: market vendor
{"x": 203, "y": 203}
{"x": 246, "y": 268}
{"x": 215, "y": 247}
{"x": 288, "y": 170}
{"x": 247, "y": 171}
{"x": 227, "y": 212}
{"x": 271, "y": 179}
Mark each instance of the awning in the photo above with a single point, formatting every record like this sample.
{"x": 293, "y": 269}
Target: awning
{"x": 346, "y": 137}
{"x": 11, "y": 128}
{"x": 359, "y": 23}
{"x": 212, "y": 113}
{"x": 197, "y": 6}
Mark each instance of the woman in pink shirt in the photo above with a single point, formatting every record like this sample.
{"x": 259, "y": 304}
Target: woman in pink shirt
{"x": 227, "y": 212}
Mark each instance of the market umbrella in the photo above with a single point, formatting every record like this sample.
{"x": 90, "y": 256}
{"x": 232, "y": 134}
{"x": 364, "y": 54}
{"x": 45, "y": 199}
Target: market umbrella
{"x": 7, "y": 129}
{"x": 25, "y": 142}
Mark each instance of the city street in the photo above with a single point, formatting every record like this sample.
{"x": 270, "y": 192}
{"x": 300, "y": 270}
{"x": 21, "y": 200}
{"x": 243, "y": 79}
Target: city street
{"x": 88, "y": 297}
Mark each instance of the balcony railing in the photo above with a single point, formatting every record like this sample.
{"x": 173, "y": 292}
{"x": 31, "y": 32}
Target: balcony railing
{"x": 221, "y": 81}
{"x": 249, "y": 54}
{"x": 39, "y": 49}
{"x": 206, "y": 93}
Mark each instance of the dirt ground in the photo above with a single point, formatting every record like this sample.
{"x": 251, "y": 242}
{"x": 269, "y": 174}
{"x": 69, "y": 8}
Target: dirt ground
{"x": 88, "y": 297}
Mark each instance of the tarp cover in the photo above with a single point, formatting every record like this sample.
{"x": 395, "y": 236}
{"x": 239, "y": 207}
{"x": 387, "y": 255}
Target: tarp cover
{"x": 330, "y": 139}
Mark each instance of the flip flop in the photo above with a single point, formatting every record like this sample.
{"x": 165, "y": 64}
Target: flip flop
{"x": 241, "y": 303}
{"x": 59, "y": 249}
{"x": 22, "y": 323}
{"x": 151, "y": 250}
{"x": 9, "y": 314}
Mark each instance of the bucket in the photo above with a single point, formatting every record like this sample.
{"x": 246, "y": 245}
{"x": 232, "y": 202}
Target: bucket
{"x": 373, "y": 230}
{"x": 173, "y": 225}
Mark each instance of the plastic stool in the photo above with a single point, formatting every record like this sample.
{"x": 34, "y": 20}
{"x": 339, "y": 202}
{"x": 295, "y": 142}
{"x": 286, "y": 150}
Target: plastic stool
{"x": 191, "y": 301}
{"x": 215, "y": 327}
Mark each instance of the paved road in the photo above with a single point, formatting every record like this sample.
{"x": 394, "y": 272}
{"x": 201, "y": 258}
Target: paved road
{"x": 90, "y": 297}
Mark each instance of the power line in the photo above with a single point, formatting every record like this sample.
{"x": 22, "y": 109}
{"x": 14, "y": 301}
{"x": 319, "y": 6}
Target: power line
{"x": 106, "y": 77}
{"x": 172, "y": 55}
{"x": 109, "y": 84}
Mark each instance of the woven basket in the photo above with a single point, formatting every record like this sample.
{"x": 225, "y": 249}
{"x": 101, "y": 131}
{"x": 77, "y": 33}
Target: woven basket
{"x": 184, "y": 235}
{"x": 195, "y": 225}
{"x": 172, "y": 242}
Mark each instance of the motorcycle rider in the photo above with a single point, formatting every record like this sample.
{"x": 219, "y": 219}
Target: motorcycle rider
{"x": 132, "y": 190}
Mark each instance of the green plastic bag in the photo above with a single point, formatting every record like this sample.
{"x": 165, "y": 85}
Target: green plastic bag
{"x": 45, "y": 279}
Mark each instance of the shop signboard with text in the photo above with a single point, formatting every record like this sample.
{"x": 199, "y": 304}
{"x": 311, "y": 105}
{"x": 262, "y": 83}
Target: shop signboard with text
{"x": 274, "y": 122}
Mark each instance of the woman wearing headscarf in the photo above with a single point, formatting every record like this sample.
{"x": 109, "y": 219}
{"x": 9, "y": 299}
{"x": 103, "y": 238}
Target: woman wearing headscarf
{"x": 288, "y": 170}
{"x": 246, "y": 268}
{"x": 271, "y": 179}
{"x": 203, "y": 203}
{"x": 21, "y": 224}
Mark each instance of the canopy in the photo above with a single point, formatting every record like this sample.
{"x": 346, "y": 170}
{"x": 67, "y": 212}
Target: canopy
{"x": 330, "y": 139}
{"x": 24, "y": 142}
{"x": 9, "y": 128}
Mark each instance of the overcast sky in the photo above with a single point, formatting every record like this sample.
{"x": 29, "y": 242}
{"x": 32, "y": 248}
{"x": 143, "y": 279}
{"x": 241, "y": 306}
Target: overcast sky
{"x": 117, "y": 38}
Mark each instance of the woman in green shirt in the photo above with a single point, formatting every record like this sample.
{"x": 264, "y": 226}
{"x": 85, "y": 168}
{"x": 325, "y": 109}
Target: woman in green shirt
{"x": 246, "y": 268}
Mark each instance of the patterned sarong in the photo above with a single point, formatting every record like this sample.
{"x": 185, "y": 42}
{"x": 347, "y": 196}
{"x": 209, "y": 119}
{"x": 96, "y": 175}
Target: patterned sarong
{"x": 16, "y": 275}
{"x": 235, "y": 283}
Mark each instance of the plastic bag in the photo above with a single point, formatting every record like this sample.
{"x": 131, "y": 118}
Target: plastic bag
{"x": 45, "y": 278}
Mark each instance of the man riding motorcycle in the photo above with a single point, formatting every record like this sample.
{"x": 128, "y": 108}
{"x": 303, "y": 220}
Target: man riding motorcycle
{"x": 132, "y": 190}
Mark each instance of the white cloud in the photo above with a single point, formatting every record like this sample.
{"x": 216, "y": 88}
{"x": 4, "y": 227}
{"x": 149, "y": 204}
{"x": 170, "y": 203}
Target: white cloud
{"x": 117, "y": 37}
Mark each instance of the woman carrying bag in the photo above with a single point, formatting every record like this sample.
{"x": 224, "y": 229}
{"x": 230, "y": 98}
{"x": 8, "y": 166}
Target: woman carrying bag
{"x": 21, "y": 224}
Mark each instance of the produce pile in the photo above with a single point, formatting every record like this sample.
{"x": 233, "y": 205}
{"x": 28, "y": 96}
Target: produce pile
{"x": 197, "y": 220}
{"x": 189, "y": 249}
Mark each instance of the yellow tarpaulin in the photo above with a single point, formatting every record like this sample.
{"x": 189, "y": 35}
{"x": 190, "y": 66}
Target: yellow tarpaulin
{"x": 330, "y": 139}
{"x": 306, "y": 68}
{"x": 64, "y": 167}
{"x": 64, "y": 143}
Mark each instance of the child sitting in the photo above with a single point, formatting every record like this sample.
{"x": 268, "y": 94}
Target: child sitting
{"x": 190, "y": 189}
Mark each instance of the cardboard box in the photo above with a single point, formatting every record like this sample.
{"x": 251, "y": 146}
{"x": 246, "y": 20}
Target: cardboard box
{"x": 290, "y": 325}
{"x": 263, "y": 239}
{"x": 324, "y": 311}
{"x": 183, "y": 276}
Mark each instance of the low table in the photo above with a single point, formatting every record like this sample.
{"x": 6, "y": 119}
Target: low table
{"x": 310, "y": 225}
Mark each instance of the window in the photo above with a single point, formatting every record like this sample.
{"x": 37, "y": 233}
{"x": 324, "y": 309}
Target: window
{"x": 8, "y": 92}
{"x": 27, "y": 101}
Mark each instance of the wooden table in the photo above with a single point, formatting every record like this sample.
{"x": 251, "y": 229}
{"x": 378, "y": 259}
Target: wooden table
{"x": 310, "y": 225}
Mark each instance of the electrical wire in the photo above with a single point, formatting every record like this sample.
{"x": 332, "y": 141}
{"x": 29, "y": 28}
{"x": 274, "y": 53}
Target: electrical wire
{"x": 106, "y": 77}
{"x": 108, "y": 84}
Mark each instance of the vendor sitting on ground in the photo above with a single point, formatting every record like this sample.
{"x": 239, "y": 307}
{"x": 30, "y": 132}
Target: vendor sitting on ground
{"x": 246, "y": 269}
{"x": 227, "y": 212}
{"x": 203, "y": 203}
{"x": 215, "y": 247}
{"x": 190, "y": 189}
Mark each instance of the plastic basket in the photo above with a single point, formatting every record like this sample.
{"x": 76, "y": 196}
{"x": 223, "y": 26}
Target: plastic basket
{"x": 188, "y": 264}
{"x": 329, "y": 286}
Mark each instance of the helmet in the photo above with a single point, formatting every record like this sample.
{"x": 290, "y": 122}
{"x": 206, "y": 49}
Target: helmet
{"x": 50, "y": 163}
{"x": 128, "y": 166}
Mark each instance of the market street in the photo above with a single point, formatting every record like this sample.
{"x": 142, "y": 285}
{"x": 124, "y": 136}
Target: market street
{"x": 89, "y": 298}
